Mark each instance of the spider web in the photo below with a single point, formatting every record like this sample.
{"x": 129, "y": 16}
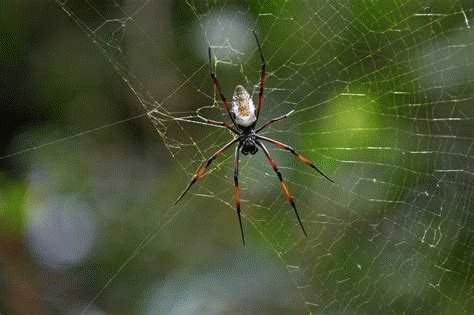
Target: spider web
{"x": 383, "y": 97}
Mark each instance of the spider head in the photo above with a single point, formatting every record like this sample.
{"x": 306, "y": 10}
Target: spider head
{"x": 249, "y": 146}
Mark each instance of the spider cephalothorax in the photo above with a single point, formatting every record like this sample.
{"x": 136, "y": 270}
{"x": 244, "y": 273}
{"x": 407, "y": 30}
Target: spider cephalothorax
{"x": 244, "y": 117}
{"x": 249, "y": 142}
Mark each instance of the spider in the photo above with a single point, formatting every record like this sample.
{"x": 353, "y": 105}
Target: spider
{"x": 244, "y": 117}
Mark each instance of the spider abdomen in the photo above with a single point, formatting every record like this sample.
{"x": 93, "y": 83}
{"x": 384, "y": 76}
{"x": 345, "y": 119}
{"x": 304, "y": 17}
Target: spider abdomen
{"x": 243, "y": 107}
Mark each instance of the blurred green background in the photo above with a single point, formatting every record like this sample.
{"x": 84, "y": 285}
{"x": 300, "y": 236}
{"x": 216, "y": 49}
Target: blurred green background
{"x": 92, "y": 157}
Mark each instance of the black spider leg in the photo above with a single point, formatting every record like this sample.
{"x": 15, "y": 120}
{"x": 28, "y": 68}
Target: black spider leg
{"x": 298, "y": 155}
{"x": 284, "y": 187}
{"x": 218, "y": 123}
{"x": 237, "y": 189}
{"x": 203, "y": 169}
{"x": 218, "y": 87}
{"x": 263, "y": 76}
{"x": 271, "y": 121}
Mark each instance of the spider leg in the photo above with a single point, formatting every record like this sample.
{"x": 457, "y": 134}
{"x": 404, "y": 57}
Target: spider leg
{"x": 218, "y": 123}
{"x": 237, "y": 190}
{"x": 271, "y": 121}
{"x": 263, "y": 75}
{"x": 203, "y": 169}
{"x": 298, "y": 155}
{"x": 218, "y": 87}
{"x": 284, "y": 187}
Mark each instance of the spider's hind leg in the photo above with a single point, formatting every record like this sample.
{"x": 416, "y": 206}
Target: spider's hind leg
{"x": 218, "y": 123}
{"x": 263, "y": 76}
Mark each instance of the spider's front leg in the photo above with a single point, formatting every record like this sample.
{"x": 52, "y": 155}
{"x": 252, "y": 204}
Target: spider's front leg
{"x": 299, "y": 156}
{"x": 237, "y": 189}
{"x": 284, "y": 187}
{"x": 203, "y": 169}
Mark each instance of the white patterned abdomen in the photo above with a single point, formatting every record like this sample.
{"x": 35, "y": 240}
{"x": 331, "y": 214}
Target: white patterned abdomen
{"x": 243, "y": 107}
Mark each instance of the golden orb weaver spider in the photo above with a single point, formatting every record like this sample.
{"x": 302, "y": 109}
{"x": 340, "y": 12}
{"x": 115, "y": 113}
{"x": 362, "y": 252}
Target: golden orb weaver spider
{"x": 244, "y": 117}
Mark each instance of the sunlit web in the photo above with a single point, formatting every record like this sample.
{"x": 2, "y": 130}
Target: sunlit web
{"x": 383, "y": 102}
